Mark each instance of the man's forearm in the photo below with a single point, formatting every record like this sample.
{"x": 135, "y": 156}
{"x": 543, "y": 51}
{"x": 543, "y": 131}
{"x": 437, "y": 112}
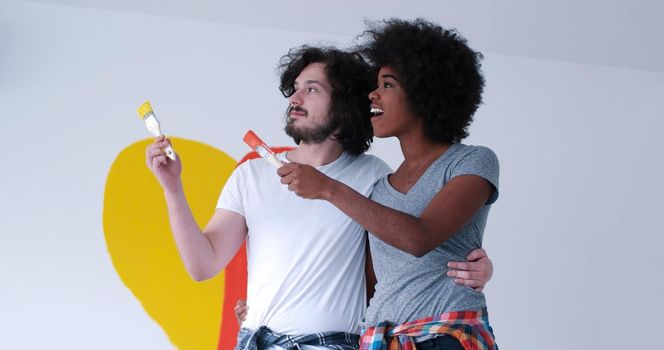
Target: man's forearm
{"x": 195, "y": 248}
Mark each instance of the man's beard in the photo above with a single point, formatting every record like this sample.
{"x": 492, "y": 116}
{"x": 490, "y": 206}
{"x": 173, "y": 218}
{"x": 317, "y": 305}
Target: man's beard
{"x": 313, "y": 134}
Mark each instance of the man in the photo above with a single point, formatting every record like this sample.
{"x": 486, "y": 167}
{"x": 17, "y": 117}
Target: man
{"x": 306, "y": 282}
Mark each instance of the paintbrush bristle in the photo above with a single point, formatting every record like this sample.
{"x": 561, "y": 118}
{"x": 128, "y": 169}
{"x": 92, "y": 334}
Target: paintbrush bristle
{"x": 144, "y": 110}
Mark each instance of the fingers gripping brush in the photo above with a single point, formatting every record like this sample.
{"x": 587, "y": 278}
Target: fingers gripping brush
{"x": 146, "y": 113}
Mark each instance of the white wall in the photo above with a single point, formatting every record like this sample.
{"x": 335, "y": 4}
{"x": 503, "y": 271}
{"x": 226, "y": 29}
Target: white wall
{"x": 575, "y": 235}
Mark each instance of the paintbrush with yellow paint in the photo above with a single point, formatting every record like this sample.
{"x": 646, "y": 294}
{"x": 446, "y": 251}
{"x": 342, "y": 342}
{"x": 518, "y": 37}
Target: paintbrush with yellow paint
{"x": 146, "y": 113}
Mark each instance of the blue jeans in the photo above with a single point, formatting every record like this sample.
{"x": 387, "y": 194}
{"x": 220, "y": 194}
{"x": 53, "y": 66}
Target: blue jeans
{"x": 263, "y": 337}
{"x": 444, "y": 342}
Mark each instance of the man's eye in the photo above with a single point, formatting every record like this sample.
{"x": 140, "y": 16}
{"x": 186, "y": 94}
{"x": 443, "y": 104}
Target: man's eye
{"x": 387, "y": 85}
{"x": 311, "y": 89}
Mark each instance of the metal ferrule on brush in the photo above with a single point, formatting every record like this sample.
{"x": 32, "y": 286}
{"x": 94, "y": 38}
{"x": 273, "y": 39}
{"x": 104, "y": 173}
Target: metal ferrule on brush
{"x": 152, "y": 124}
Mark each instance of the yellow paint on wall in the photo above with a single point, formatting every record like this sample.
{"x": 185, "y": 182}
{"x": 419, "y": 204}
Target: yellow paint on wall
{"x": 142, "y": 248}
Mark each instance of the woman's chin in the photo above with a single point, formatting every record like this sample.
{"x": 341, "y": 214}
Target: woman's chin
{"x": 380, "y": 134}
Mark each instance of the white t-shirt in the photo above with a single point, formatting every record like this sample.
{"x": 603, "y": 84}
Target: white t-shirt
{"x": 305, "y": 257}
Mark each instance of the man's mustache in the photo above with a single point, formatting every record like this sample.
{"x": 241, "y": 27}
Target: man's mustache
{"x": 297, "y": 109}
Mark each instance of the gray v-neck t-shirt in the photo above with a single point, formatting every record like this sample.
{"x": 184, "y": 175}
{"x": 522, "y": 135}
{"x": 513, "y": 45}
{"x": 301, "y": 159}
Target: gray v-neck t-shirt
{"x": 411, "y": 288}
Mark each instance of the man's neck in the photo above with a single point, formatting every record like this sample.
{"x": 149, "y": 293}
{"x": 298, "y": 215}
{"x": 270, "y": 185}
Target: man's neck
{"x": 316, "y": 154}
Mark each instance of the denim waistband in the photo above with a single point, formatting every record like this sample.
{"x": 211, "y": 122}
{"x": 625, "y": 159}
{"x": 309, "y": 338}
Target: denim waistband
{"x": 263, "y": 337}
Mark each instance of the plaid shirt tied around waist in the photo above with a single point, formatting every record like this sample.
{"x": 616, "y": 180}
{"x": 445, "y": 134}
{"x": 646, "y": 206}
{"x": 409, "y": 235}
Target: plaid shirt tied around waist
{"x": 263, "y": 337}
{"x": 471, "y": 328}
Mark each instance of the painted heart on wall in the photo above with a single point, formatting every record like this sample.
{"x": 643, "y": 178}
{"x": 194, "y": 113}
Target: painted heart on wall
{"x": 143, "y": 251}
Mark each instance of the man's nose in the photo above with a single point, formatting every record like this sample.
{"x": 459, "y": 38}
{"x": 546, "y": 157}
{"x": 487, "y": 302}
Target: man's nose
{"x": 295, "y": 99}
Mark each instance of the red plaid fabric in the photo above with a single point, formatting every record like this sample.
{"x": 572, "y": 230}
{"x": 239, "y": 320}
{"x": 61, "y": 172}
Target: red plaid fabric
{"x": 471, "y": 328}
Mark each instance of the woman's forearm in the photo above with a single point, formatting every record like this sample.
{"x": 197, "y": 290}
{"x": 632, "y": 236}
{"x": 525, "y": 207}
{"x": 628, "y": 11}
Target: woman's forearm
{"x": 398, "y": 229}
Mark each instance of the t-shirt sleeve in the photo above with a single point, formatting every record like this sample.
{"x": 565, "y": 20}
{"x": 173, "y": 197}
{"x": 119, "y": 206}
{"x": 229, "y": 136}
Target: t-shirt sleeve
{"x": 382, "y": 169}
{"x": 231, "y": 194}
{"x": 483, "y": 162}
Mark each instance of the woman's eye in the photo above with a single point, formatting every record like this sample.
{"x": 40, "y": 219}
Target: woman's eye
{"x": 312, "y": 89}
{"x": 387, "y": 85}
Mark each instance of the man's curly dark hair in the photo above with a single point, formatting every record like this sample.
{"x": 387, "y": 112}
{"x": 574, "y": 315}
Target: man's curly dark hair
{"x": 440, "y": 74}
{"x": 351, "y": 77}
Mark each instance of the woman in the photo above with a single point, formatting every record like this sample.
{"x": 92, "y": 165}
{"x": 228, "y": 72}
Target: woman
{"x": 433, "y": 209}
